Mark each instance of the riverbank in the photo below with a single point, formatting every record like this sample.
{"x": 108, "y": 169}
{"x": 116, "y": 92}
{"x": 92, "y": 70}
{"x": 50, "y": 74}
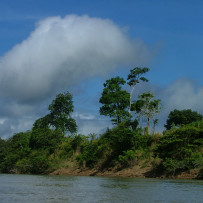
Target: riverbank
{"x": 120, "y": 152}
{"x": 136, "y": 171}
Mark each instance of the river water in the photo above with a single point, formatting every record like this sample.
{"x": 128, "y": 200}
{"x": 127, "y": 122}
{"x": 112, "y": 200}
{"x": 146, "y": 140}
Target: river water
{"x": 31, "y": 188}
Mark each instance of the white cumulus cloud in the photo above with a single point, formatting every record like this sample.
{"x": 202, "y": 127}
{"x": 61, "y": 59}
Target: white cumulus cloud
{"x": 65, "y": 51}
{"x": 58, "y": 54}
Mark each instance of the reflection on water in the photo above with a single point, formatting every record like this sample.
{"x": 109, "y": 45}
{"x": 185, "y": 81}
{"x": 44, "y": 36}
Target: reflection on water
{"x": 29, "y": 188}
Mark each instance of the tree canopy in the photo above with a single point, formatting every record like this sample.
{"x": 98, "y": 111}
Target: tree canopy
{"x": 181, "y": 117}
{"x": 147, "y": 107}
{"x": 134, "y": 78}
{"x": 115, "y": 100}
{"x": 60, "y": 115}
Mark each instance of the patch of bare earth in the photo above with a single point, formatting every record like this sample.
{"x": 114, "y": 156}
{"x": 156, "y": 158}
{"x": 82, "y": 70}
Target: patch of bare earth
{"x": 134, "y": 171}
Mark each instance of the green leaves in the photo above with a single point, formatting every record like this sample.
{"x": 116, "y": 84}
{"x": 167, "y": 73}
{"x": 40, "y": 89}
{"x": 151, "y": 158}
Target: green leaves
{"x": 181, "y": 148}
{"x": 115, "y": 100}
{"x": 59, "y": 116}
{"x": 135, "y": 75}
{"x": 134, "y": 78}
{"x": 147, "y": 107}
{"x": 60, "y": 110}
{"x": 182, "y": 117}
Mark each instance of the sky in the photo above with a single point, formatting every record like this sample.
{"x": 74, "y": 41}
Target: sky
{"x": 53, "y": 46}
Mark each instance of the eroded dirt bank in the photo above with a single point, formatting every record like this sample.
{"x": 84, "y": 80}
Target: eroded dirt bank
{"x": 135, "y": 171}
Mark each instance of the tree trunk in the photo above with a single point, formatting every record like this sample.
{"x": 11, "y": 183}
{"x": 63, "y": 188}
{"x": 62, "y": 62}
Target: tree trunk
{"x": 148, "y": 125}
{"x": 130, "y": 103}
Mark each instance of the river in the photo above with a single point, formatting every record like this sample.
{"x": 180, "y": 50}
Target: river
{"x": 31, "y": 188}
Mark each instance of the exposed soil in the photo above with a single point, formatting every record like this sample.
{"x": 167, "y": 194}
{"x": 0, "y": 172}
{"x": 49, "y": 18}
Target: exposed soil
{"x": 135, "y": 171}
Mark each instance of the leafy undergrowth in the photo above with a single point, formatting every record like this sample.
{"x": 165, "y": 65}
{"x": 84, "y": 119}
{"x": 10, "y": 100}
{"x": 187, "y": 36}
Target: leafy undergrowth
{"x": 120, "y": 151}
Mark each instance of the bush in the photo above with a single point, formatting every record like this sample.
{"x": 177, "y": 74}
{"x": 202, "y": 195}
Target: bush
{"x": 171, "y": 165}
{"x": 39, "y": 162}
{"x": 44, "y": 138}
{"x": 23, "y": 166}
{"x": 180, "y": 148}
{"x": 65, "y": 149}
{"x": 119, "y": 139}
{"x": 8, "y": 163}
{"x": 89, "y": 156}
{"x": 128, "y": 157}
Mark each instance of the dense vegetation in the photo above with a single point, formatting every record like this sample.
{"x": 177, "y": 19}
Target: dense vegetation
{"x": 53, "y": 141}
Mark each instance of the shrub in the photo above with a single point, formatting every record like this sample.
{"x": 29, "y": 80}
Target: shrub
{"x": 127, "y": 158}
{"x": 39, "y": 162}
{"x": 180, "y": 148}
{"x": 23, "y": 165}
{"x": 90, "y": 155}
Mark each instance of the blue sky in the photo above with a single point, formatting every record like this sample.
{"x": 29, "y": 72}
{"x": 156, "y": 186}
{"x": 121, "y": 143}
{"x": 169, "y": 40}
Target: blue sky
{"x": 107, "y": 38}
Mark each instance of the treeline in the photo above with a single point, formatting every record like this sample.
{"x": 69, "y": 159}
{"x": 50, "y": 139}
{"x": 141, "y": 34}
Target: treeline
{"x": 53, "y": 142}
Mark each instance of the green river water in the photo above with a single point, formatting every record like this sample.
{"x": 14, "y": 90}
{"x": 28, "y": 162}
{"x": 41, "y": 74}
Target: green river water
{"x": 31, "y": 188}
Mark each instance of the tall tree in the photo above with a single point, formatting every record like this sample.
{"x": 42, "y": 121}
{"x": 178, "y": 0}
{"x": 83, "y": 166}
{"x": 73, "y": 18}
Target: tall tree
{"x": 60, "y": 113}
{"x": 45, "y": 137}
{"x": 182, "y": 117}
{"x": 147, "y": 107}
{"x": 59, "y": 116}
{"x": 134, "y": 78}
{"x": 115, "y": 100}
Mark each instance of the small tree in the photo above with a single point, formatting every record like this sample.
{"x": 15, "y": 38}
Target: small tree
{"x": 115, "y": 100}
{"x": 147, "y": 107}
{"x": 134, "y": 78}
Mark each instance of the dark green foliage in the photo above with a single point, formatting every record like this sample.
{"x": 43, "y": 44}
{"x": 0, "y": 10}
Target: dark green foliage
{"x": 119, "y": 139}
{"x": 77, "y": 141}
{"x": 16, "y": 148}
{"x": 42, "y": 137}
{"x": 127, "y": 158}
{"x": 29, "y": 152}
{"x": 8, "y": 163}
{"x": 115, "y": 100}
{"x": 19, "y": 142}
{"x": 2, "y": 144}
{"x": 179, "y": 148}
{"x": 60, "y": 110}
{"x": 146, "y": 106}
{"x": 182, "y": 117}
{"x": 122, "y": 138}
{"x": 65, "y": 150}
{"x": 134, "y": 124}
{"x": 46, "y": 147}
{"x": 43, "y": 122}
{"x": 2, "y": 149}
{"x": 18, "y": 145}
{"x": 36, "y": 163}
{"x": 39, "y": 162}
{"x": 59, "y": 116}
{"x": 134, "y": 78}
{"x": 45, "y": 138}
{"x": 135, "y": 75}
{"x": 90, "y": 155}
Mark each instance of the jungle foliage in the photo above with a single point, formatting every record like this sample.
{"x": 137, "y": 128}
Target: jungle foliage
{"x": 53, "y": 141}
